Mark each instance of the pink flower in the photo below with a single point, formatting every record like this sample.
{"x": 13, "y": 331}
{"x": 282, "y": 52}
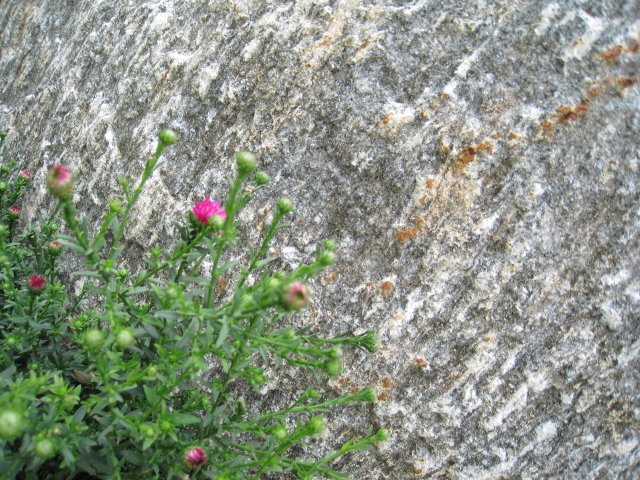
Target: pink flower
{"x": 195, "y": 457}
{"x": 296, "y": 296}
{"x": 37, "y": 283}
{"x": 206, "y": 209}
{"x": 26, "y": 175}
{"x": 60, "y": 182}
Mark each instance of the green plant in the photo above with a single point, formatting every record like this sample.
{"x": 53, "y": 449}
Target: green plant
{"x": 122, "y": 391}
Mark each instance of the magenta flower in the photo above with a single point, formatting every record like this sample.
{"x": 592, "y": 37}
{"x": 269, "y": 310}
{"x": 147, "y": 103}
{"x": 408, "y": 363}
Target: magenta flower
{"x": 206, "y": 209}
{"x": 296, "y": 296}
{"x": 26, "y": 175}
{"x": 195, "y": 457}
{"x": 14, "y": 211}
{"x": 60, "y": 182}
{"x": 37, "y": 283}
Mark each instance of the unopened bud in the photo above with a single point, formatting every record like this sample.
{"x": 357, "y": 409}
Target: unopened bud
{"x": 94, "y": 339}
{"x": 246, "y": 161}
{"x": 279, "y": 433}
{"x": 262, "y": 178}
{"x": 327, "y": 258}
{"x": 216, "y": 221}
{"x": 168, "y": 137}
{"x": 11, "y": 424}
{"x": 54, "y": 248}
{"x": 125, "y": 337}
{"x": 60, "y": 182}
{"x": 296, "y": 296}
{"x": 285, "y": 205}
{"x": 45, "y": 448}
{"x": 14, "y": 212}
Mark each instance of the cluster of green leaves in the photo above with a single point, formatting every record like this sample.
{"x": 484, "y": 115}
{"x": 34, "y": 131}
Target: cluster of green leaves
{"x": 125, "y": 391}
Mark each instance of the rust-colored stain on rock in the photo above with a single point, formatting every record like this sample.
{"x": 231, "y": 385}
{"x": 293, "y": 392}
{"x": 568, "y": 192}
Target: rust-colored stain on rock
{"x": 611, "y": 55}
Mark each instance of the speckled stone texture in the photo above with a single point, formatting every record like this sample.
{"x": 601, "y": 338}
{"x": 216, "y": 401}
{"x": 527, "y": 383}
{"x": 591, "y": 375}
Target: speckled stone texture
{"x": 476, "y": 161}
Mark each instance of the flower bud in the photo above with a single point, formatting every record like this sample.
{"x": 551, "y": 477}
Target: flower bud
{"x": 3, "y": 186}
{"x": 11, "y": 341}
{"x": 36, "y": 283}
{"x": 333, "y": 363}
{"x": 216, "y": 221}
{"x": 14, "y": 212}
{"x": 123, "y": 273}
{"x": 330, "y": 245}
{"x": 24, "y": 175}
{"x": 115, "y": 205}
{"x": 367, "y": 394}
{"x": 381, "y": 436}
{"x": 247, "y": 162}
{"x": 11, "y": 424}
{"x": 327, "y": 258}
{"x": 285, "y": 205}
{"x": 4, "y": 261}
{"x": 125, "y": 337}
{"x": 168, "y": 137}
{"x": 45, "y": 448}
{"x": 262, "y": 178}
{"x": 54, "y": 248}
{"x": 315, "y": 426}
{"x": 296, "y": 296}
{"x": 94, "y": 339}
{"x": 60, "y": 182}
{"x": 195, "y": 457}
{"x": 4, "y": 230}
{"x": 280, "y": 433}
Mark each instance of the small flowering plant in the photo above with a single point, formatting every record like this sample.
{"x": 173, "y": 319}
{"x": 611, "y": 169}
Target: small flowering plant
{"x": 150, "y": 383}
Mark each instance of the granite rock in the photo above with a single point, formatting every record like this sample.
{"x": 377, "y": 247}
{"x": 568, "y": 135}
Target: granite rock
{"x": 477, "y": 162}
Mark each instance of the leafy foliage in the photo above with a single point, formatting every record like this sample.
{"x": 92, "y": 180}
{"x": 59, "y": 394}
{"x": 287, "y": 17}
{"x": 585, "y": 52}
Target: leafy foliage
{"x": 123, "y": 391}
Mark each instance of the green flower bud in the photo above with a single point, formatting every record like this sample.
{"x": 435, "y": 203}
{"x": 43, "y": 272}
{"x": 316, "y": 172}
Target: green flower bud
{"x": 381, "y": 436}
{"x": 125, "y": 337}
{"x": 280, "y": 433}
{"x": 247, "y": 162}
{"x": 4, "y": 261}
{"x": 168, "y": 137}
{"x": 11, "y": 341}
{"x": 34, "y": 366}
{"x": 115, "y": 205}
{"x": 166, "y": 426}
{"x": 4, "y": 230}
{"x": 327, "y": 258}
{"x": 148, "y": 431}
{"x": 11, "y": 424}
{"x": 315, "y": 426}
{"x": 262, "y": 178}
{"x": 333, "y": 363}
{"x": 216, "y": 221}
{"x": 330, "y": 245}
{"x": 369, "y": 341}
{"x": 367, "y": 394}
{"x": 3, "y": 186}
{"x": 94, "y": 339}
{"x": 123, "y": 273}
{"x": 45, "y": 448}
{"x": 285, "y": 205}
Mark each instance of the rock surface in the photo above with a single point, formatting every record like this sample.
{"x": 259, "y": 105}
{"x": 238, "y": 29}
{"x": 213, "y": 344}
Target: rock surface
{"x": 477, "y": 161}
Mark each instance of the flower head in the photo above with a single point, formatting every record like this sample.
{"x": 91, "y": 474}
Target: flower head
{"x": 195, "y": 457}
{"x": 206, "y": 209}
{"x": 60, "y": 182}
{"x": 36, "y": 283}
{"x": 24, "y": 174}
{"x": 296, "y": 296}
{"x": 14, "y": 211}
